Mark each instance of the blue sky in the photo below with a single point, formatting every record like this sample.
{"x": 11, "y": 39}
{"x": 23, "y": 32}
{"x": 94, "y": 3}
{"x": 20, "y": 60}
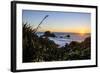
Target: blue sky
{"x": 58, "y": 21}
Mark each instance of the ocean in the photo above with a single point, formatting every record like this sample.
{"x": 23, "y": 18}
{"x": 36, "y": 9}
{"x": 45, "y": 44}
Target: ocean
{"x": 62, "y": 38}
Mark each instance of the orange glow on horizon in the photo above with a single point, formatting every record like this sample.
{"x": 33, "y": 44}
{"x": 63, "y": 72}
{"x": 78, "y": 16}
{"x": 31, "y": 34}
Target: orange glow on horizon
{"x": 80, "y": 30}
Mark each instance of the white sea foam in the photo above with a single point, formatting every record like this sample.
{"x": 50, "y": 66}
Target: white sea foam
{"x": 61, "y": 38}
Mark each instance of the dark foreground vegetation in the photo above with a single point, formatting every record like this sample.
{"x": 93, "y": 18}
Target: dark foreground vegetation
{"x": 38, "y": 49}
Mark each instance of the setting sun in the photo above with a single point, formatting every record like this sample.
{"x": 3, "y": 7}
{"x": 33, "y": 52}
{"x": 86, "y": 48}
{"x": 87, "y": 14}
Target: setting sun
{"x": 82, "y": 32}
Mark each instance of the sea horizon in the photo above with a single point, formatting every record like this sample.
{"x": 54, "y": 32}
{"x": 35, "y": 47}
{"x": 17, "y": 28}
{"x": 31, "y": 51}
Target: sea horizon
{"x": 64, "y": 32}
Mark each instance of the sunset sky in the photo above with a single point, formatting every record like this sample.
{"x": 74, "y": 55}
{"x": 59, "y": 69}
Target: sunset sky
{"x": 58, "y": 21}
